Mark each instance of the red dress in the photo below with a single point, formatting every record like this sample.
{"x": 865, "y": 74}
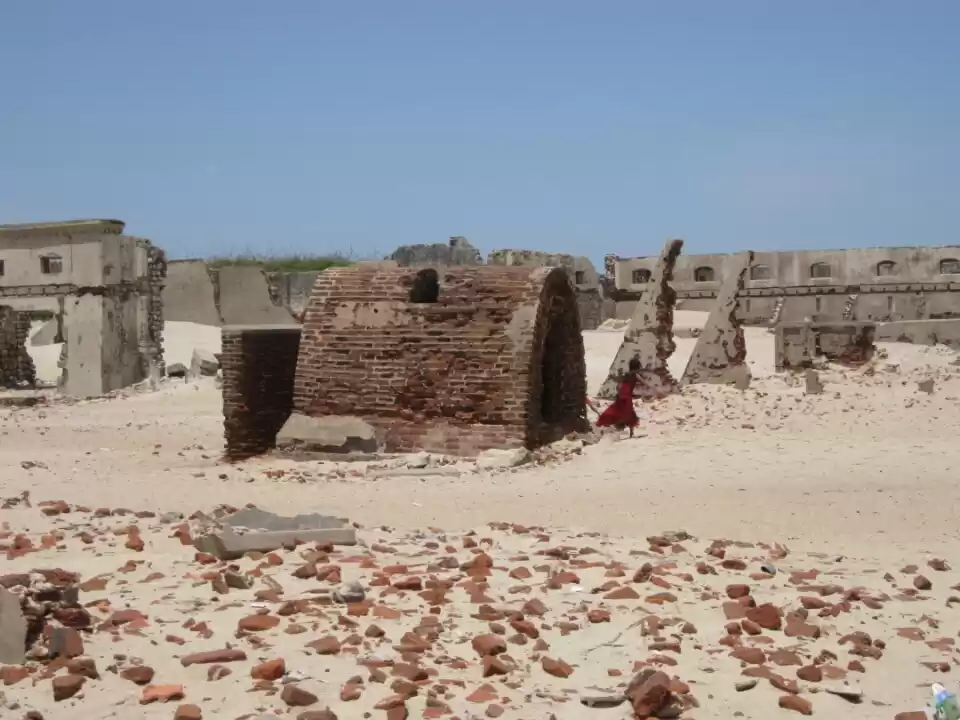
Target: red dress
{"x": 621, "y": 413}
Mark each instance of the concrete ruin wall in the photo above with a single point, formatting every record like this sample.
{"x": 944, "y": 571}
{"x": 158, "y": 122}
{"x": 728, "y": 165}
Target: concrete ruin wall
{"x": 494, "y": 360}
{"x": 258, "y": 365}
{"x": 243, "y": 297}
{"x": 455, "y": 253}
{"x": 649, "y": 337}
{"x": 189, "y": 295}
{"x": 798, "y": 344}
{"x": 921, "y": 332}
{"x": 105, "y": 288}
{"x": 292, "y": 290}
{"x": 890, "y": 284}
{"x": 16, "y": 365}
{"x": 720, "y": 355}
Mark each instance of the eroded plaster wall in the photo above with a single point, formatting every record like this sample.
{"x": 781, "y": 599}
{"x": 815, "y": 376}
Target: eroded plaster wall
{"x": 904, "y": 283}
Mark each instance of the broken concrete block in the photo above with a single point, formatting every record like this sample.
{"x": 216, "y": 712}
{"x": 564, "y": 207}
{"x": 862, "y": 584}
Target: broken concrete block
{"x": 419, "y": 460}
{"x": 496, "y": 458}
{"x": 254, "y": 530}
{"x": 813, "y": 384}
{"x": 203, "y": 363}
{"x": 327, "y": 434}
{"x": 926, "y": 386}
{"x": 649, "y": 338}
{"x": 13, "y": 629}
{"x": 720, "y": 355}
{"x": 178, "y": 370}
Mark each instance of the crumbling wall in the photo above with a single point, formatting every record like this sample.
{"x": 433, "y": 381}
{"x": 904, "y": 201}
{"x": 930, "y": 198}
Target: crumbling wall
{"x": 494, "y": 358}
{"x": 798, "y": 344}
{"x": 590, "y": 307}
{"x": 151, "y": 346}
{"x": 258, "y": 363}
{"x": 16, "y": 365}
{"x": 189, "y": 294}
{"x": 458, "y": 251}
{"x": 720, "y": 355}
{"x": 649, "y": 336}
{"x": 243, "y": 297}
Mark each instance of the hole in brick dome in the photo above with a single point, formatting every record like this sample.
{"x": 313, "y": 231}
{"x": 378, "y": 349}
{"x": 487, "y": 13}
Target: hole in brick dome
{"x": 426, "y": 287}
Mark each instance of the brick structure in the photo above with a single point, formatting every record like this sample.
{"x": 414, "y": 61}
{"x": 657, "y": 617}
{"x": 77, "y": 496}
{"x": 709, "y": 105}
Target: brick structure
{"x": 16, "y": 365}
{"x": 459, "y": 361}
{"x": 258, "y": 364}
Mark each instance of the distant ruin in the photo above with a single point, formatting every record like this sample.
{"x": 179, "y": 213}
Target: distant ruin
{"x": 104, "y": 290}
{"x": 799, "y": 344}
{"x": 456, "y": 252}
{"x": 889, "y": 284}
{"x": 16, "y": 365}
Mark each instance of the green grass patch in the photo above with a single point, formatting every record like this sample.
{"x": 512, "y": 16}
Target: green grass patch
{"x": 285, "y": 263}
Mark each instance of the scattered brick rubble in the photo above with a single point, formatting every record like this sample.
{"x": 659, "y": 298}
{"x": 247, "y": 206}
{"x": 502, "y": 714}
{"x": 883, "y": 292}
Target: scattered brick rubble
{"x": 508, "y": 621}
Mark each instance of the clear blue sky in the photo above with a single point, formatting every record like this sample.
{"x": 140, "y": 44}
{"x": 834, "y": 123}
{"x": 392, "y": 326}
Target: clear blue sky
{"x": 587, "y": 127}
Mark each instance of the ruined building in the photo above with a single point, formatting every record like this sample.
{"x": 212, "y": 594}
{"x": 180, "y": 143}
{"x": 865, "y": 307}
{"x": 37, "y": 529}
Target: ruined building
{"x": 459, "y": 252}
{"x": 16, "y": 365}
{"x": 456, "y": 252}
{"x": 103, "y": 288}
{"x": 455, "y": 361}
{"x": 873, "y": 284}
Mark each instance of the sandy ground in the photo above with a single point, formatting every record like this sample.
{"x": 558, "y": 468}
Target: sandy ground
{"x": 859, "y": 483}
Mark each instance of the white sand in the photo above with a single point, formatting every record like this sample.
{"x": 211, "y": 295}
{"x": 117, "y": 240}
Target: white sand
{"x": 864, "y": 473}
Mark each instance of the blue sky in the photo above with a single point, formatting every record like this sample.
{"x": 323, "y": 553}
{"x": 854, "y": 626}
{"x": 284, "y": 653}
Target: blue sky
{"x": 587, "y": 127}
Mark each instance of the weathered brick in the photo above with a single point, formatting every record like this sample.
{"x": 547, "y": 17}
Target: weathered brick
{"x": 258, "y": 365}
{"x": 496, "y": 361}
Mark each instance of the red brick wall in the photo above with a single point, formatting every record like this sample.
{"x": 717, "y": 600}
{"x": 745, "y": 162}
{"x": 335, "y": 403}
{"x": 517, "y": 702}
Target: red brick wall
{"x": 457, "y": 376}
{"x": 258, "y": 365}
{"x": 16, "y": 365}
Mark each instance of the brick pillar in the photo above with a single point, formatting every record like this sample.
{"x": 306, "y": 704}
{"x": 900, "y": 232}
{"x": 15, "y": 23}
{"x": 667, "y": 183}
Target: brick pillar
{"x": 258, "y": 364}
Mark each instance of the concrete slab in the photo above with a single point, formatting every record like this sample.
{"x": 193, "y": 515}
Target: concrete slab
{"x": 13, "y": 629}
{"x": 720, "y": 355}
{"x": 189, "y": 295}
{"x": 255, "y": 530}
{"x": 327, "y": 434}
{"x": 203, "y": 362}
{"x": 245, "y": 298}
{"x": 649, "y": 337}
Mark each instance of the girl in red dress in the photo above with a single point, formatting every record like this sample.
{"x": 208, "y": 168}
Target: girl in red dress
{"x": 622, "y": 413}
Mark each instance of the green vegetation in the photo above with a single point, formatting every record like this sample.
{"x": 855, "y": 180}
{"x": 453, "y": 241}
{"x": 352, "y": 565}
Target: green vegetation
{"x": 285, "y": 263}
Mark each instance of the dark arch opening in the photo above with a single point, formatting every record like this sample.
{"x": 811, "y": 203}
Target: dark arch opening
{"x": 426, "y": 287}
{"x": 560, "y": 391}
{"x": 551, "y": 371}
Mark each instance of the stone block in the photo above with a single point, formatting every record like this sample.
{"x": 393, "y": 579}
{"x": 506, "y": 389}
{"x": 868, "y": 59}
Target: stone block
{"x": 327, "y": 434}
{"x": 254, "y": 530}
{"x": 13, "y": 629}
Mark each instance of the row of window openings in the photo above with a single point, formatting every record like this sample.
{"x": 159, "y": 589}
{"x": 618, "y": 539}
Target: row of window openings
{"x": 818, "y": 304}
{"x": 950, "y": 266}
{"x": 49, "y": 265}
